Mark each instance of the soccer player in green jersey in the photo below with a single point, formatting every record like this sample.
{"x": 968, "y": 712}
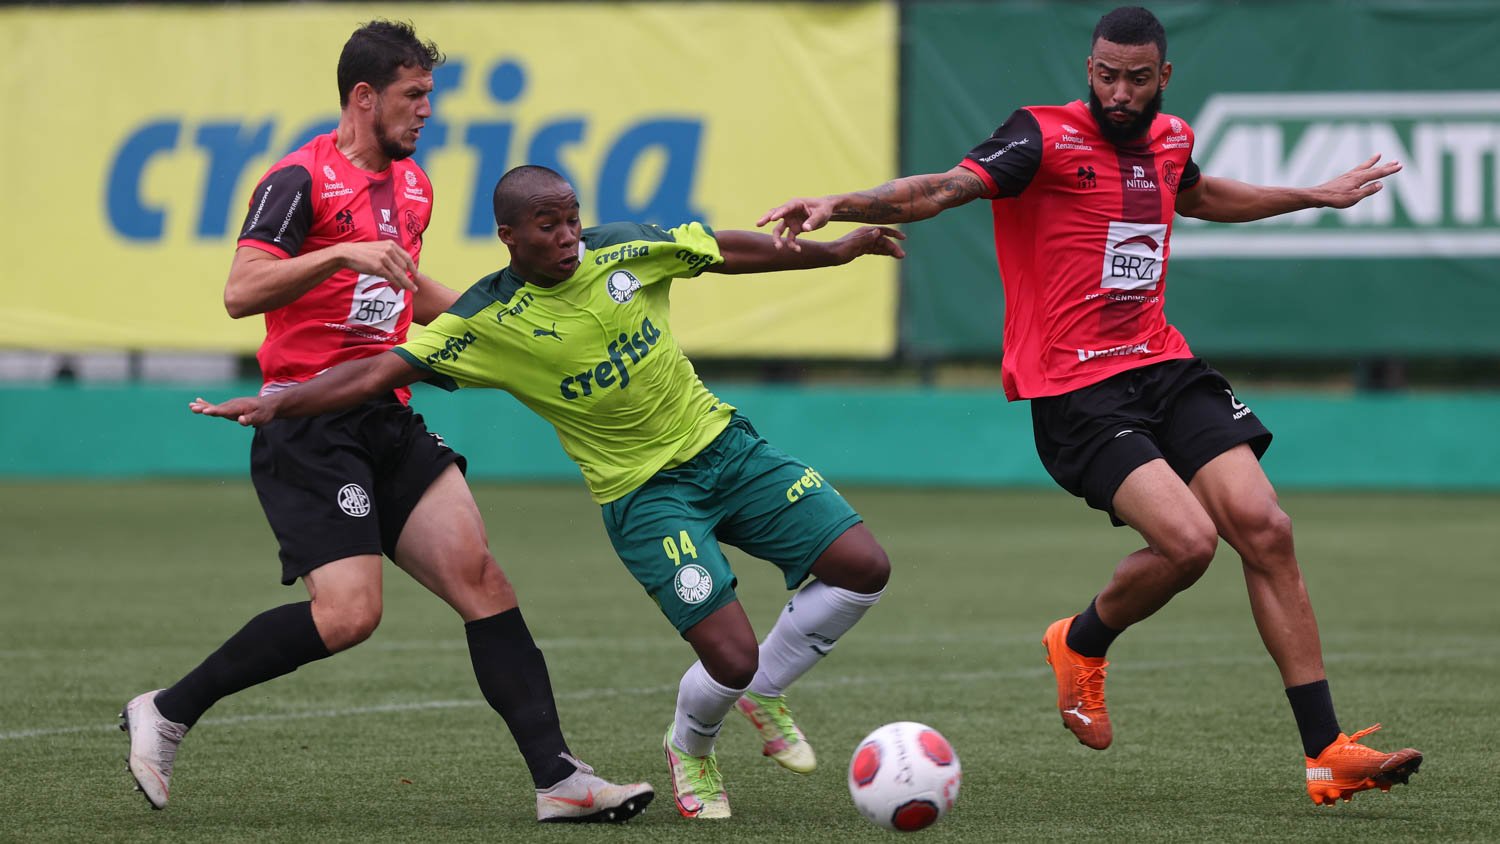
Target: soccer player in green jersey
{"x": 577, "y": 328}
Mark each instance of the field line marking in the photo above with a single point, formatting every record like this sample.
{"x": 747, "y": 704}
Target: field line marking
{"x": 606, "y": 692}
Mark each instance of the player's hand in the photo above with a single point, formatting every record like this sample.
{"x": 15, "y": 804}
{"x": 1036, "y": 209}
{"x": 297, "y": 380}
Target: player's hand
{"x": 795, "y": 217}
{"x": 870, "y": 240}
{"x": 386, "y": 259}
{"x": 1356, "y": 184}
{"x": 249, "y": 410}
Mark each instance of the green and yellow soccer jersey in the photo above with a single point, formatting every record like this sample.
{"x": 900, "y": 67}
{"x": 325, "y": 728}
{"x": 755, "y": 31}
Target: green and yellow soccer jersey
{"x": 593, "y": 355}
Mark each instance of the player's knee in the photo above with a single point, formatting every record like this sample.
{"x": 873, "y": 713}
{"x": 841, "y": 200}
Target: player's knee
{"x": 871, "y": 572}
{"x": 348, "y": 623}
{"x": 1190, "y": 554}
{"x": 733, "y": 667}
{"x": 1267, "y": 536}
{"x": 490, "y": 579}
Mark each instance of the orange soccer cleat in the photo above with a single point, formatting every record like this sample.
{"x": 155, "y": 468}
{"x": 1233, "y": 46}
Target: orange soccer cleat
{"x": 1080, "y": 687}
{"x": 1346, "y": 767}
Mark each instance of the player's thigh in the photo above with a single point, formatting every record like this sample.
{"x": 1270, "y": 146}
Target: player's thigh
{"x": 1234, "y": 490}
{"x": 1091, "y": 439}
{"x": 664, "y": 534}
{"x": 443, "y": 546}
{"x": 780, "y": 509}
{"x": 1154, "y": 500}
{"x": 316, "y": 486}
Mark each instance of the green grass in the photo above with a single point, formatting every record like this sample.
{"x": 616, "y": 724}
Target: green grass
{"x": 110, "y": 589}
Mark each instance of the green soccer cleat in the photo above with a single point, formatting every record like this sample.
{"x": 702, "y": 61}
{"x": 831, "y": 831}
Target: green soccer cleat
{"x": 697, "y": 785}
{"x": 784, "y": 741}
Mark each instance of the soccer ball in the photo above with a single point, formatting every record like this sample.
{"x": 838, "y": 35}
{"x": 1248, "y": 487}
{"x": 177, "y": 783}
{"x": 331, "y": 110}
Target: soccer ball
{"x": 904, "y": 776}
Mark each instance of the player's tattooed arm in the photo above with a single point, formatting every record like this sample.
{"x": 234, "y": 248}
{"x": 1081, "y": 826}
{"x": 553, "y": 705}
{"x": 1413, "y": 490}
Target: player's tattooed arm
{"x": 911, "y": 198}
{"x": 901, "y": 200}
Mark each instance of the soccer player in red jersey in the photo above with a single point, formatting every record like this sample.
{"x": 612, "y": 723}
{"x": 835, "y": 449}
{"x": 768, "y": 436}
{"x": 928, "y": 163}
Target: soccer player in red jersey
{"x": 1123, "y": 413}
{"x": 329, "y": 254}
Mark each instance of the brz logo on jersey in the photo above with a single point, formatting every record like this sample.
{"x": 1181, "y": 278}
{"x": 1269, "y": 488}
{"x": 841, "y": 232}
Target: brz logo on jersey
{"x": 693, "y": 584}
{"x": 1134, "y": 255}
{"x": 329, "y": 174}
{"x": 354, "y": 501}
{"x": 622, "y": 286}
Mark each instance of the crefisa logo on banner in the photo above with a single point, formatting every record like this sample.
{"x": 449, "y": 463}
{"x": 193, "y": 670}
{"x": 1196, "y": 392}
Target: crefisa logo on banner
{"x": 1444, "y": 202}
{"x": 647, "y": 171}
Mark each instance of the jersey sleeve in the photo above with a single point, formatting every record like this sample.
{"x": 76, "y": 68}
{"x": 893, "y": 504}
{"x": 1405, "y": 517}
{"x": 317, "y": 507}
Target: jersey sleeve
{"x": 1008, "y": 160}
{"x": 281, "y": 213}
{"x": 697, "y": 250}
{"x": 1190, "y": 175}
{"x": 450, "y": 354}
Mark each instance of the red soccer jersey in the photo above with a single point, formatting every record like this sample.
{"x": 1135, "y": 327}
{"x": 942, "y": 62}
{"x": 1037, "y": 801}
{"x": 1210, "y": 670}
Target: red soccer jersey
{"x": 310, "y": 200}
{"x": 1082, "y": 232}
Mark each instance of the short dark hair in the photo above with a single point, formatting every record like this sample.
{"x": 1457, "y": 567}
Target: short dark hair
{"x": 510, "y": 191}
{"x": 1132, "y": 25}
{"x": 377, "y": 51}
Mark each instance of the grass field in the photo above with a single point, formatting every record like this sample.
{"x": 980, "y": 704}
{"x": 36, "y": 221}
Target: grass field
{"x": 110, "y": 589}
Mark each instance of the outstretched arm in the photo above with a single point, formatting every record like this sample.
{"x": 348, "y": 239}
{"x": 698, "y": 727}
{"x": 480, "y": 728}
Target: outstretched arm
{"x": 753, "y": 252}
{"x": 903, "y": 200}
{"x": 1229, "y": 201}
{"x": 341, "y": 387}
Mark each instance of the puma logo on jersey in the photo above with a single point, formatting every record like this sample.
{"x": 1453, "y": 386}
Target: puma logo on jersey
{"x": 543, "y": 332}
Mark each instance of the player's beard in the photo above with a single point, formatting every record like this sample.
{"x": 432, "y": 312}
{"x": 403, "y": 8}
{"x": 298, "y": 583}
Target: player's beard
{"x": 1127, "y": 134}
{"x": 392, "y": 148}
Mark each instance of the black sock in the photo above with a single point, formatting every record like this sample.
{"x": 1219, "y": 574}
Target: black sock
{"x": 1312, "y": 706}
{"x": 273, "y": 643}
{"x": 513, "y": 677}
{"x": 1089, "y": 636}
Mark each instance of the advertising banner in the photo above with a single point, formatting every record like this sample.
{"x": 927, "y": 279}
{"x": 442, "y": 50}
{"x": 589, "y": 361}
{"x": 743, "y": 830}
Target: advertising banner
{"x": 1278, "y": 93}
{"x": 136, "y": 136}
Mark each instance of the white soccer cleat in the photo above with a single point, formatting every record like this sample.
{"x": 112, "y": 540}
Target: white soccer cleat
{"x": 153, "y": 747}
{"x": 586, "y": 798}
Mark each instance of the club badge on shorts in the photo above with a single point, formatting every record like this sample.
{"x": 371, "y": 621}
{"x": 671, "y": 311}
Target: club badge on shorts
{"x": 354, "y": 501}
{"x": 693, "y": 584}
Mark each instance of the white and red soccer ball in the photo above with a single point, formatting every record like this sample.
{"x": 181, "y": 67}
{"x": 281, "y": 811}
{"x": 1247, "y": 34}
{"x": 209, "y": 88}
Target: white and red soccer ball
{"x": 904, "y": 776}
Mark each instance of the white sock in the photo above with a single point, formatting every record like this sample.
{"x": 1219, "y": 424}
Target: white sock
{"x": 702, "y": 704}
{"x": 810, "y": 625}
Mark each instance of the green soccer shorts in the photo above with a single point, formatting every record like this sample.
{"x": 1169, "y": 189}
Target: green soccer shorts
{"x": 739, "y": 489}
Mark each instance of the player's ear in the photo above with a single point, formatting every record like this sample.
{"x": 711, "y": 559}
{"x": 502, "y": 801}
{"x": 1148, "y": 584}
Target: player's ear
{"x": 363, "y": 94}
{"x": 1166, "y": 75}
{"x": 506, "y": 234}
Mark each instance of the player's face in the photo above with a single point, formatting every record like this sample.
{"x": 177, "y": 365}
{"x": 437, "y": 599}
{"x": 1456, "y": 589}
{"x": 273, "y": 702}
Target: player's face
{"x": 401, "y": 110}
{"x": 544, "y": 243}
{"x": 1125, "y": 88}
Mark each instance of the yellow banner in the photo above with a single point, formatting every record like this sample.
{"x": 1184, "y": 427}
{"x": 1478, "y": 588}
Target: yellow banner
{"x": 135, "y": 137}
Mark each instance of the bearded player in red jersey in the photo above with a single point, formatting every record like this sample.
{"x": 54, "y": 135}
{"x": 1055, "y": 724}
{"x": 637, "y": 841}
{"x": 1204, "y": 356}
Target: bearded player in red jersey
{"x": 329, "y": 254}
{"x": 1124, "y": 415}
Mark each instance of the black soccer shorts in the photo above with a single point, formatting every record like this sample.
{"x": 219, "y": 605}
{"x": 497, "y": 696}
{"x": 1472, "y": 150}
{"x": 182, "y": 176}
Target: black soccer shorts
{"x": 1183, "y": 411}
{"x": 343, "y": 484}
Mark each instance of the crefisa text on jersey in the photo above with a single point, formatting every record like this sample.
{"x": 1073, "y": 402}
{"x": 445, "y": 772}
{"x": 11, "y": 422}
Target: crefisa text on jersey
{"x": 607, "y": 373}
